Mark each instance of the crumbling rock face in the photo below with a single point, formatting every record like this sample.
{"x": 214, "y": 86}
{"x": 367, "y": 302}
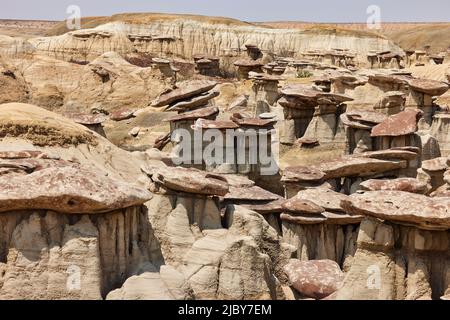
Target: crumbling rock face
{"x": 397, "y": 262}
{"x": 187, "y": 36}
{"x": 107, "y": 82}
{"x": 12, "y": 85}
{"x": 44, "y": 128}
{"x": 319, "y": 227}
{"x": 235, "y": 263}
{"x": 49, "y": 255}
{"x": 167, "y": 284}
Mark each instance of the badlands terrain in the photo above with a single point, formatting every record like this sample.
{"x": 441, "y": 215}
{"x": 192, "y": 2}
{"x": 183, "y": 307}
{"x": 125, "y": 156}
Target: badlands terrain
{"x": 93, "y": 204}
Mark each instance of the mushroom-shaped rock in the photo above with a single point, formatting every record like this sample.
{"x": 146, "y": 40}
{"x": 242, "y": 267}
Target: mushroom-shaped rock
{"x": 436, "y": 164}
{"x": 402, "y": 207}
{"x": 314, "y": 278}
{"x": 68, "y": 188}
{"x": 251, "y": 122}
{"x": 400, "y": 124}
{"x": 371, "y": 117}
{"x": 235, "y": 180}
{"x": 248, "y": 63}
{"x": 299, "y": 205}
{"x": 215, "y": 124}
{"x": 253, "y": 193}
{"x": 160, "y": 61}
{"x": 342, "y": 218}
{"x": 299, "y": 91}
{"x": 87, "y": 119}
{"x": 188, "y": 180}
{"x": 332, "y": 98}
{"x": 301, "y": 173}
{"x": 193, "y": 102}
{"x": 122, "y": 114}
{"x": 204, "y": 113}
{"x": 185, "y": 90}
{"x": 429, "y": 87}
{"x": 392, "y": 154}
{"x": 307, "y": 142}
{"x": 358, "y": 167}
{"x": 401, "y": 184}
{"x": 302, "y": 218}
{"x": 265, "y": 207}
{"x": 356, "y": 124}
{"x": 328, "y": 199}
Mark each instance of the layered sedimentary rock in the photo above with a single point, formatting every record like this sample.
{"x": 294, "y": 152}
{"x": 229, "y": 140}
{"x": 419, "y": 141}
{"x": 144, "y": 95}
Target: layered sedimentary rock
{"x": 91, "y": 234}
{"x": 318, "y": 227}
{"x": 397, "y": 262}
{"x": 187, "y": 36}
{"x": 312, "y": 113}
{"x": 68, "y": 215}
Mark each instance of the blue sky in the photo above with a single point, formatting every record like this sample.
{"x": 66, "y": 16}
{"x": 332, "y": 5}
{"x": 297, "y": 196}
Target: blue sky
{"x": 247, "y": 10}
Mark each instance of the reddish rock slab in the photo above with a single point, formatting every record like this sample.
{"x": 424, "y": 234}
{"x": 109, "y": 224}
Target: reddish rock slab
{"x": 402, "y": 207}
{"x": 184, "y": 91}
{"x": 204, "y": 113}
{"x": 407, "y": 148}
{"x": 302, "y": 219}
{"x": 436, "y": 164}
{"x": 325, "y": 98}
{"x": 297, "y": 102}
{"x": 302, "y": 206}
{"x": 300, "y": 173}
{"x": 160, "y": 61}
{"x": 187, "y": 180}
{"x": 68, "y": 188}
{"x": 400, "y": 124}
{"x": 428, "y": 86}
{"x": 87, "y": 119}
{"x": 304, "y": 92}
{"x": 264, "y": 77}
{"x": 265, "y": 207}
{"x": 248, "y": 63}
{"x": 253, "y": 193}
{"x": 215, "y": 124}
{"x": 346, "y": 121}
{"x": 251, "y": 122}
{"x": 193, "y": 102}
{"x": 25, "y": 154}
{"x": 372, "y": 117}
{"x": 391, "y": 154}
{"x": 236, "y": 180}
{"x": 122, "y": 114}
{"x": 328, "y": 199}
{"x": 314, "y": 278}
{"x": 307, "y": 142}
{"x": 388, "y": 78}
{"x": 162, "y": 141}
{"x": 358, "y": 167}
{"x": 299, "y": 91}
{"x": 401, "y": 184}
{"x": 29, "y": 165}
{"x": 342, "y": 218}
